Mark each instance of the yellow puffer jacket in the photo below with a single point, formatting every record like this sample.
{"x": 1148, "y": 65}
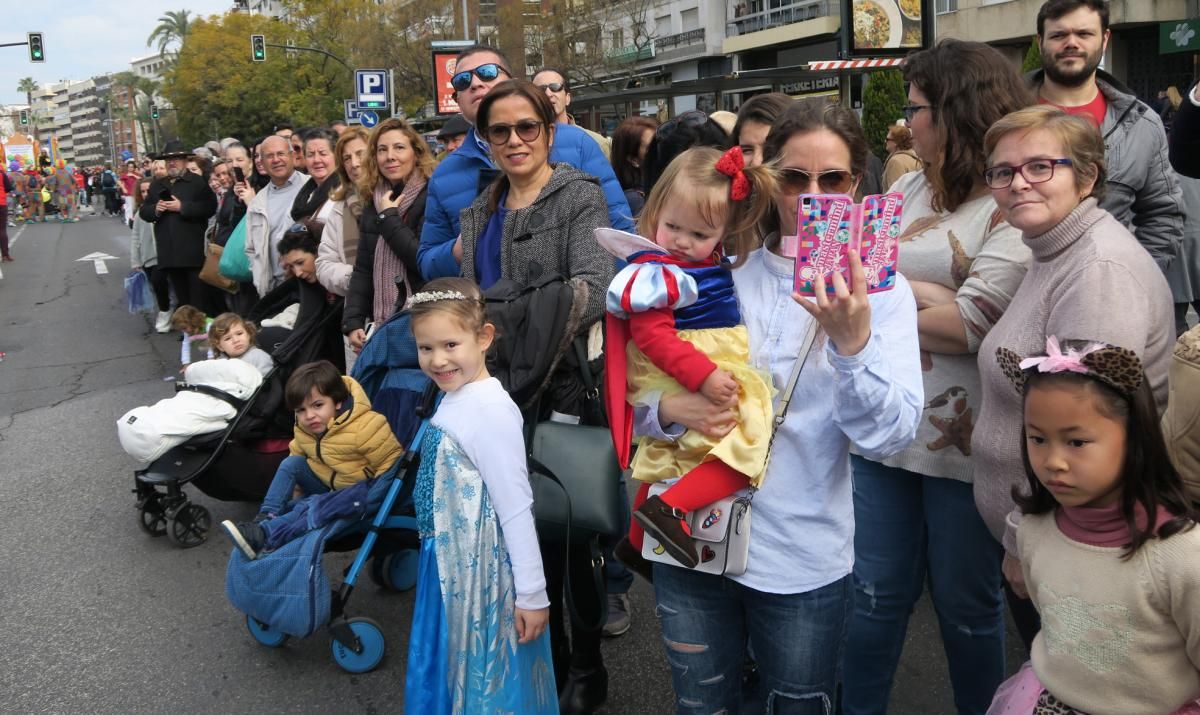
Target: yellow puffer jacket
{"x": 357, "y": 444}
{"x": 1181, "y": 421}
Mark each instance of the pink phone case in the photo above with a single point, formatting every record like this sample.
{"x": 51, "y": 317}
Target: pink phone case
{"x": 829, "y": 226}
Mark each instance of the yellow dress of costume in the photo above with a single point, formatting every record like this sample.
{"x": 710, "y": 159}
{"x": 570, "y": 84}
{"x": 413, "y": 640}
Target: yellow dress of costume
{"x": 698, "y": 296}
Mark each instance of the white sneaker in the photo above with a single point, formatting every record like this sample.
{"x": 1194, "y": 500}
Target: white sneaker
{"x": 163, "y": 323}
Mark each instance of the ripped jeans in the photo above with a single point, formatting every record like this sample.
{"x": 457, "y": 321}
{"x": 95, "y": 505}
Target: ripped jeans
{"x": 797, "y": 640}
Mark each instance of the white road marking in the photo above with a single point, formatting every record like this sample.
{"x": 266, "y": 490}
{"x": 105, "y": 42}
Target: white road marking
{"x": 98, "y": 260}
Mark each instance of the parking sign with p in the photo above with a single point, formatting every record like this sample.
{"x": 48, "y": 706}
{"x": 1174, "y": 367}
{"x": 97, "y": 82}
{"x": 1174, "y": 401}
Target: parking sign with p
{"x": 373, "y": 89}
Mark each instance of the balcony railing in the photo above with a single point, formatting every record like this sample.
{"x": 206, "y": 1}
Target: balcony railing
{"x": 744, "y": 18}
{"x": 683, "y": 39}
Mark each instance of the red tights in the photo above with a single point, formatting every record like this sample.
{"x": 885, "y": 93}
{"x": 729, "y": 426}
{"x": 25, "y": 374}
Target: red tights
{"x": 703, "y": 485}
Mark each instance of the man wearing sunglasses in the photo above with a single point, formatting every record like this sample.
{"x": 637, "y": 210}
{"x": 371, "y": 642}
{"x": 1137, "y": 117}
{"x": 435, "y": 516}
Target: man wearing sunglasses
{"x": 558, "y": 89}
{"x": 465, "y": 173}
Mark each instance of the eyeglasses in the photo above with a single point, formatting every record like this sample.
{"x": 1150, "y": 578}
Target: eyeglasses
{"x": 690, "y": 118}
{"x": 527, "y": 130}
{"x": 1036, "y": 171}
{"x": 461, "y": 81}
{"x": 834, "y": 181}
{"x": 911, "y": 110}
{"x": 552, "y": 86}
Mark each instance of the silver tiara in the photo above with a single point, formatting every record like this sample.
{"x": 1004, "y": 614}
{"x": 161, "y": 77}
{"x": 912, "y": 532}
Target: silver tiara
{"x": 430, "y": 296}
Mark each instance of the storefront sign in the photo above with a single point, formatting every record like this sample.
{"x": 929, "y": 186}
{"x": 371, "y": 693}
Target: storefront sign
{"x": 443, "y": 91}
{"x": 1179, "y": 36}
{"x": 874, "y": 28}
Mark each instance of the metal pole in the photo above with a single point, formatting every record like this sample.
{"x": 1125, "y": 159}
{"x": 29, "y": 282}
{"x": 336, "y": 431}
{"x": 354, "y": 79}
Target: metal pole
{"x": 466, "y": 32}
{"x": 112, "y": 141}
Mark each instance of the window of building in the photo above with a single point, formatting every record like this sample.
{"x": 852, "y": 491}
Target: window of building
{"x": 662, "y": 26}
{"x": 943, "y": 6}
{"x": 617, "y": 38}
{"x": 690, "y": 19}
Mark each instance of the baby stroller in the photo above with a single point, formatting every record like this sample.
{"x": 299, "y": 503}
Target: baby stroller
{"x": 236, "y": 463}
{"x": 288, "y": 599}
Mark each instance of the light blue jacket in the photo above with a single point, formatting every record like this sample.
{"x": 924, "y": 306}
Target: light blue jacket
{"x": 455, "y": 184}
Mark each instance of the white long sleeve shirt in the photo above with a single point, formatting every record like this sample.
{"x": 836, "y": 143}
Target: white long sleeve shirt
{"x": 486, "y": 424}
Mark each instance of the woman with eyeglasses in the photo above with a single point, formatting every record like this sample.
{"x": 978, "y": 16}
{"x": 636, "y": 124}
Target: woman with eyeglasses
{"x": 860, "y": 384}
{"x": 915, "y": 516}
{"x": 392, "y": 187}
{"x": 537, "y": 217}
{"x": 1089, "y": 278}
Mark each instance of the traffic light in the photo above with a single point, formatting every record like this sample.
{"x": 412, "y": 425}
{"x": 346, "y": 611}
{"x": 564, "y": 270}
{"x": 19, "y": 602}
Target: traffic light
{"x": 258, "y": 48}
{"x": 24, "y": 116}
{"x": 154, "y": 111}
{"x": 36, "y": 52}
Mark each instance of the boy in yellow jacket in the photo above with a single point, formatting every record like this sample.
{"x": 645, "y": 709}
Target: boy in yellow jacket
{"x": 338, "y": 441}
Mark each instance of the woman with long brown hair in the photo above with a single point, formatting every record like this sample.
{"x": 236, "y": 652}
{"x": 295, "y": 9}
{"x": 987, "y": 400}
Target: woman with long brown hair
{"x": 915, "y": 514}
{"x": 339, "y": 240}
{"x": 396, "y": 169}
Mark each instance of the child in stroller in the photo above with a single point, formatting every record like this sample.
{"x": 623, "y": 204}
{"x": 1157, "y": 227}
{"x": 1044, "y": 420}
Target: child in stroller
{"x": 339, "y": 443}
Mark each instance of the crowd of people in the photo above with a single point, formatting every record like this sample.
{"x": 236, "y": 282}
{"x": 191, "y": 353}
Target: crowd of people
{"x": 988, "y": 428}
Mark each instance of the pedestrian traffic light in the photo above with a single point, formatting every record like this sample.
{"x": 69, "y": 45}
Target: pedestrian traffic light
{"x": 258, "y": 48}
{"x": 154, "y": 111}
{"x": 36, "y": 52}
{"x": 24, "y": 116}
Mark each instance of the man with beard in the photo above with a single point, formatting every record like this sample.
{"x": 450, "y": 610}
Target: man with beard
{"x": 1142, "y": 190}
{"x": 179, "y": 205}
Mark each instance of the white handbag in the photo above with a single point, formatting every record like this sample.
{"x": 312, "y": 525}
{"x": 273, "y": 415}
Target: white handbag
{"x": 722, "y": 529}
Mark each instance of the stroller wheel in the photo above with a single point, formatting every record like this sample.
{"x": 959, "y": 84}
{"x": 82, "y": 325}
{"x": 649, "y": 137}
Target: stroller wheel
{"x": 398, "y": 571}
{"x": 151, "y": 517}
{"x": 264, "y": 634}
{"x": 366, "y": 654}
{"x": 188, "y": 527}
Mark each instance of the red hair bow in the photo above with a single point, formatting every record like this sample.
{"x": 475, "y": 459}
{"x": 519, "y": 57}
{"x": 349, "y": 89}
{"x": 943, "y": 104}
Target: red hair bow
{"x": 731, "y": 164}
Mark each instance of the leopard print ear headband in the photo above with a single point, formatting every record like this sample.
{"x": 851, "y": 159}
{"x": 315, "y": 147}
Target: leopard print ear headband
{"x": 1119, "y": 368}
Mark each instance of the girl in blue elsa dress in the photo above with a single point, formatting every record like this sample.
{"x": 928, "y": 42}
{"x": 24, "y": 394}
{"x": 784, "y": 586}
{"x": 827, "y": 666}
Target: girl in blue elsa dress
{"x": 479, "y": 642}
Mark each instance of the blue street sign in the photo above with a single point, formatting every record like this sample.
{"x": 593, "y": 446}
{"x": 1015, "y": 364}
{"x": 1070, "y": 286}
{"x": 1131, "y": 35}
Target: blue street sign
{"x": 372, "y": 89}
{"x": 368, "y": 118}
{"x": 351, "y": 112}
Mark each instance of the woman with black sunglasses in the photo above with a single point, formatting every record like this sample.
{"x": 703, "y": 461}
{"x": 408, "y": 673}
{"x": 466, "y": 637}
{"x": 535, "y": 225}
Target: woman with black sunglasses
{"x": 915, "y": 514}
{"x": 860, "y": 385}
{"x": 537, "y": 217}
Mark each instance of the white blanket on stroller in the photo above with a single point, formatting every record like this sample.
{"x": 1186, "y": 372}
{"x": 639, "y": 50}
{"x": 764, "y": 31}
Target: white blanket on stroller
{"x": 147, "y": 432}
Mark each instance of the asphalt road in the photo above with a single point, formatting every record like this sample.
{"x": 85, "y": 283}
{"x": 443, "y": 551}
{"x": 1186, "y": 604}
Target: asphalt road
{"x": 98, "y": 617}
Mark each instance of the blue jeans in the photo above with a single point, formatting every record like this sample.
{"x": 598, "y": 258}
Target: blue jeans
{"x": 797, "y": 641}
{"x": 909, "y": 528}
{"x": 293, "y": 471}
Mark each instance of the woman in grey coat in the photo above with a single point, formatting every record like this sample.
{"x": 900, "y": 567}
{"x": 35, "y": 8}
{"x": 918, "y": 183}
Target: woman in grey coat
{"x": 540, "y": 217}
{"x": 1183, "y": 274}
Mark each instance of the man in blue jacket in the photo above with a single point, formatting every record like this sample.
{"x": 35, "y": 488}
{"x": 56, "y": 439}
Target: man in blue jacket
{"x": 464, "y": 174}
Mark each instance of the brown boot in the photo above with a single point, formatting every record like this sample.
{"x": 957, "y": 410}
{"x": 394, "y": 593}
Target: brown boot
{"x": 632, "y": 559}
{"x": 667, "y": 526}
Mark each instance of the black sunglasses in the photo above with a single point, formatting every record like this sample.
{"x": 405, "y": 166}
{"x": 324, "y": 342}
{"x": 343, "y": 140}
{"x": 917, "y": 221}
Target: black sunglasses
{"x": 461, "y": 81}
{"x": 527, "y": 130}
{"x": 690, "y": 118}
{"x": 835, "y": 181}
{"x": 552, "y": 86}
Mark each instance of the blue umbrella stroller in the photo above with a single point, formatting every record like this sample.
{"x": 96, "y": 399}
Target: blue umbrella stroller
{"x": 284, "y": 593}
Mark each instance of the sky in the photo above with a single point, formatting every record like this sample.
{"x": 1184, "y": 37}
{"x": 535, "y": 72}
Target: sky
{"x": 82, "y": 38}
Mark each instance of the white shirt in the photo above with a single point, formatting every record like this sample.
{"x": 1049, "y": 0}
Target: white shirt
{"x": 486, "y": 424}
{"x": 802, "y": 533}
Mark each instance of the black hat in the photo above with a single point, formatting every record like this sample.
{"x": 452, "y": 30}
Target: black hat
{"x": 453, "y": 127}
{"x": 174, "y": 149}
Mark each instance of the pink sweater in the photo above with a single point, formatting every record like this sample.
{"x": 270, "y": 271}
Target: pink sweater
{"x": 1090, "y": 280}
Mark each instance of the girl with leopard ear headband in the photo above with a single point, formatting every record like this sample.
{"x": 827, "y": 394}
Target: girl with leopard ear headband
{"x": 1106, "y": 542}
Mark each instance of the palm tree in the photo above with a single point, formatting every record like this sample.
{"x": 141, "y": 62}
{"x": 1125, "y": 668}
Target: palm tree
{"x": 172, "y": 26}
{"x": 29, "y": 86}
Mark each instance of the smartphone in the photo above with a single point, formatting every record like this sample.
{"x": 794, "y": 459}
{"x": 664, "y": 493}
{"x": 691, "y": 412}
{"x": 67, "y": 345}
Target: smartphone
{"x": 830, "y": 226}
{"x": 238, "y": 175}
{"x": 165, "y": 195}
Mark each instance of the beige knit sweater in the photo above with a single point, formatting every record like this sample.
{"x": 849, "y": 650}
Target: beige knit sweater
{"x": 1090, "y": 280}
{"x": 1118, "y": 637}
